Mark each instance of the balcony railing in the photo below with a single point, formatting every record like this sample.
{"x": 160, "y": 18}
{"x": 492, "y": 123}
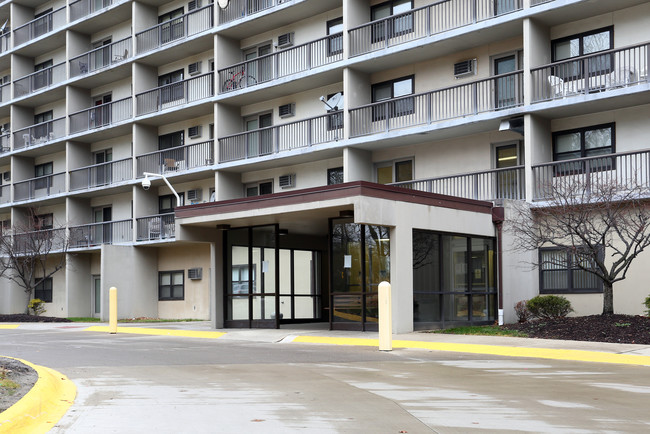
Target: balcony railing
{"x": 425, "y": 21}
{"x": 43, "y": 186}
{"x": 282, "y": 63}
{"x": 270, "y": 140}
{"x": 83, "y": 8}
{"x": 101, "y": 115}
{"x": 237, "y": 9}
{"x": 597, "y": 72}
{"x": 5, "y": 145}
{"x": 157, "y": 227}
{"x": 181, "y": 27}
{"x": 39, "y": 134}
{"x": 5, "y": 42}
{"x": 45, "y": 240}
{"x": 39, "y": 80}
{"x": 5, "y": 93}
{"x": 94, "y": 234}
{"x": 626, "y": 168}
{"x": 174, "y": 160}
{"x": 102, "y": 174}
{"x": 40, "y": 26}
{"x": 5, "y": 194}
{"x": 495, "y": 93}
{"x": 175, "y": 94}
{"x": 101, "y": 57}
{"x": 539, "y": 2}
{"x": 507, "y": 183}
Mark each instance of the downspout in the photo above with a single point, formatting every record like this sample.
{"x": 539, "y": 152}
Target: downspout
{"x": 498, "y": 216}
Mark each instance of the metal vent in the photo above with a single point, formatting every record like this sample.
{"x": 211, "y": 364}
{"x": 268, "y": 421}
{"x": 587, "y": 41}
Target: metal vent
{"x": 194, "y": 68}
{"x": 194, "y": 132}
{"x": 287, "y": 181}
{"x": 194, "y": 4}
{"x": 285, "y": 40}
{"x": 466, "y": 67}
{"x": 195, "y": 273}
{"x": 287, "y": 110}
{"x": 194, "y": 195}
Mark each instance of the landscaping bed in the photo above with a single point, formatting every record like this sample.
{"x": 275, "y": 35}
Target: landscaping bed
{"x": 23, "y": 317}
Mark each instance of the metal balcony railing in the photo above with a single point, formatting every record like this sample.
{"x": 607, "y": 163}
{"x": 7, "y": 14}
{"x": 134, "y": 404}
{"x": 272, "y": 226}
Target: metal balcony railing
{"x": 625, "y": 168}
{"x": 5, "y": 194}
{"x": 175, "y": 94}
{"x": 83, "y": 8}
{"x": 156, "y": 227}
{"x": 42, "y": 186}
{"x": 181, "y": 27}
{"x": 94, "y": 234}
{"x": 45, "y": 240}
{"x": 101, "y": 57}
{"x": 495, "y": 93}
{"x": 39, "y": 134}
{"x": 175, "y": 160}
{"x": 5, "y": 93}
{"x": 597, "y": 72}
{"x": 5, "y": 42}
{"x": 237, "y": 9}
{"x": 282, "y": 63}
{"x": 539, "y": 2}
{"x": 489, "y": 185}
{"x": 102, "y": 174}
{"x": 5, "y": 145}
{"x": 102, "y": 115}
{"x": 270, "y": 140}
{"x": 39, "y": 80}
{"x": 40, "y": 26}
{"x": 425, "y": 21}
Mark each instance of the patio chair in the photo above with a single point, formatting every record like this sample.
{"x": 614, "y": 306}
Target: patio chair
{"x": 557, "y": 86}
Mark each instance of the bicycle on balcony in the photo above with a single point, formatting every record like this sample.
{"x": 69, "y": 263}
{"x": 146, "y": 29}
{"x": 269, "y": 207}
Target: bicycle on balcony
{"x": 238, "y": 80}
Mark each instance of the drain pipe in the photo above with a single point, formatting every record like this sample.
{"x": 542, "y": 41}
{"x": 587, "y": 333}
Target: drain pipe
{"x": 498, "y": 215}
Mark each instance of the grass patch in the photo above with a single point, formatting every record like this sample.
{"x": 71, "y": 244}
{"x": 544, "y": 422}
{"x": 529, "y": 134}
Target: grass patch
{"x": 84, "y": 319}
{"x": 489, "y": 330}
{"x": 8, "y": 386}
{"x": 133, "y": 320}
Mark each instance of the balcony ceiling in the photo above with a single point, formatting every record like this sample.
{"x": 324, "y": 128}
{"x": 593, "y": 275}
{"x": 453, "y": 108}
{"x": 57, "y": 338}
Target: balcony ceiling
{"x": 5, "y": 111}
{"x": 120, "y": 13}
{"x": 41, "y": 150}
{"x": 44, "y": 44}
{"x": 580, "y": 9}
{"x": 98, "y": 134}
{"x": 289, "y": 158}
{"x": 42, "y": 97}
{"x": 178, "y": 50}
{"x": 105, "y": 191}
{"x": 179, "y": 113}
{"x": 5, "y": 61}
{"x": 103, "y": 76}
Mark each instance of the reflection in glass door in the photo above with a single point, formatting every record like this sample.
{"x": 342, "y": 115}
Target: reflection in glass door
{"x": 505, "y": 87}
{"x": 507, "y": 181}
{"x": 97, "y": 297}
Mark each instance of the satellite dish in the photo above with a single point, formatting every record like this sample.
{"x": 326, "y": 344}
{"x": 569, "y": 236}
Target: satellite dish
{"x": 335, "y": 102}
{"x": 223, "y": 4}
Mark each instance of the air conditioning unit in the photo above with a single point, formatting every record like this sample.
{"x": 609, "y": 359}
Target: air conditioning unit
{"x": 287, "y": 110}
{"x": 195, "y": 273}
{"x": 194, "y": 4}
{"x": 194, "y": 132}
{"x": 194, "y": 68}
{"x": 285, "y": 40}
{"x": 287, "y": 181}
{"x": 466, "y": 67}
{"x": 194, "y": 195}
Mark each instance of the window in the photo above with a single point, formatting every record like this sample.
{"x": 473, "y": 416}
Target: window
{"x": 42, "y": 172}
{"x": 240, "y": 279}
{"x": 564, "y": 271}
{"x": 43, "y": 221}
{"x": 43, "y": 290}
{"x": 581, "y": 143}
{"x": 171, "y": 86}
{"x": 581, "y": 45}
{"x": 390, "y": 28}
{"x": 172, "y": 28}
{"x": 335, "y": 176}
{"x": 335, "y": 43}
{"x": 171, "y": 285}
{"x": 171, "y": 140}
{"x": 394, "y": 171}
{"x": 389, "y": 90}
{"x": 259, "y": 188}
{"x": 335, "y": 120}
{"x": 43, "y": 76}
{"x": 167, "y": 203}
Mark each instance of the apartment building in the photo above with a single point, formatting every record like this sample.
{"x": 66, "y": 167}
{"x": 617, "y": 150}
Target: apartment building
{"x": 299, "y": 152}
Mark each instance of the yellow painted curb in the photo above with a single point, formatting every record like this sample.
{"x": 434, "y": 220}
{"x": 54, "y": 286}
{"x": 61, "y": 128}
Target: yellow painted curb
{"x": 9, "y": 326}
{"x": 540, "y": 353}
{"x": 43, "y": 406}
{"x": 159, "y": 332}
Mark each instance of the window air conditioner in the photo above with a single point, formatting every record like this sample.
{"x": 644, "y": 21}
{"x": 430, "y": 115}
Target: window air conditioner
{"x": 195, "y": 273}
{"x": 194, "y": 132}
{"x": 194, "y": 4}
{"x": 287, "y": 110}
{"x": 194, "y": 68}
{"x": 287, "y": 181}
{"x": 194, "y": 195}
{"x": 285, "y": 40}
{"x": 466, "y": 67}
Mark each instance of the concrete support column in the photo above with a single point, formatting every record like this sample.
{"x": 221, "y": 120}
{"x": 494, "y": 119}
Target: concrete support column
{"x": 357, "y": 165}
{"x": 401, "y": 277}
{"x": 536, "y": 47}
{"x": 537, "y": 148}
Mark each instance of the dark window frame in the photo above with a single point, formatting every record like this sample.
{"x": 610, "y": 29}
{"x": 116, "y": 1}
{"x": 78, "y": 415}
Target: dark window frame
{"x": 259, "y": 186}
{"x": 44, "y": 290}
{"x": 170, "y": 138}
{"x": 172, "y": 287}
{"x": 44, "y": 221}
{"x": 403, "y": 106}
{"x": 570, "y": 269}
{"x": 172, "y": 86}
{"x": 380, "y": 31}
{"x": 44, "y": 173}
{"x": 580, "y": 167}
{"x": 171, "y": 199}
{"x": 576, "y": 71}
{"x": 335, "y": 175}
{"x": 334, "y": 43}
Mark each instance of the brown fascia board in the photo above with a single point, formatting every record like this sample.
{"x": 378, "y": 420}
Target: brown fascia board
{"x": 330, "y": 192}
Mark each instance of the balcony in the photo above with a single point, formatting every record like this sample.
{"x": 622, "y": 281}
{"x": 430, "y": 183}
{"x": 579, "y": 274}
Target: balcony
{"x": 5, "y": 145}
{"x": 156, "y": 227}
{"x": 285, "y": 137}
{"x": 39, "y": 134}
{"x": 39, "y": 80}
{"x": 626, "y": 168}
{"x": 175, "y": 94}
{"x": 40, "y": 26}
{"x": 539, "y": 2}
{"x": 177, "y": 160}
{"x": 46, "y": 240}
{"x": 182, "y": 27}
{"x": 5, "y": 42}
{"x": 101, "y": 57}
{"x": 102, "y": 174}
{"x": 282, "y": 63}
{"x": 5, "y": 194}
{"x": 425, "y": 21}
{"x": 40, "y": 187}
{"x": 600, "y": 72}
{"x": 492, "y": 94}
{"x": 238, "y": 9}
{"x": 101, "y": 116}
{"x": 95, "y": 234}
{"x": 5, "y": 93}
{"x": 83, "y": 8}
{"x": 490, "y": 185}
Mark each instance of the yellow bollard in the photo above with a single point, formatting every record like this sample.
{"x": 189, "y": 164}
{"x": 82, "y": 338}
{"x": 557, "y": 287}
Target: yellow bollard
{"x": 385, "y": 318}
{"x": 112, "y": 310}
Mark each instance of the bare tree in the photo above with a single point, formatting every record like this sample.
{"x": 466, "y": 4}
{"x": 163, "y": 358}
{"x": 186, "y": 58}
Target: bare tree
{"x": 601, "y": 224}
{"x": 32, "y": 252}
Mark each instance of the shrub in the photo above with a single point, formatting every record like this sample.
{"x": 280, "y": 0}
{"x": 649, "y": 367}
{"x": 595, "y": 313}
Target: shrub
{"x": 549, "y": 306}
{"x": 523, "y": 314}
{"x": 647, "y": 305}
{"x": 37, "y": 306}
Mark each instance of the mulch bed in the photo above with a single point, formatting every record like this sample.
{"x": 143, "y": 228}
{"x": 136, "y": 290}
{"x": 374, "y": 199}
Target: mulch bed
{"x": 22, "y": 317}
{"x": 620, "y": 329}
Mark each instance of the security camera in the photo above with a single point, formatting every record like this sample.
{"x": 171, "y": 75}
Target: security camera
{"x": 322, "y": 98}
{"x": 146, "y": 183}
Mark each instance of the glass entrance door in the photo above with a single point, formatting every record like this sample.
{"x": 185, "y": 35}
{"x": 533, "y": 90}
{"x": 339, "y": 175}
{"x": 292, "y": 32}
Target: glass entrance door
{"x": 505, "y": 87}
{"x": 97, "y": 297}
